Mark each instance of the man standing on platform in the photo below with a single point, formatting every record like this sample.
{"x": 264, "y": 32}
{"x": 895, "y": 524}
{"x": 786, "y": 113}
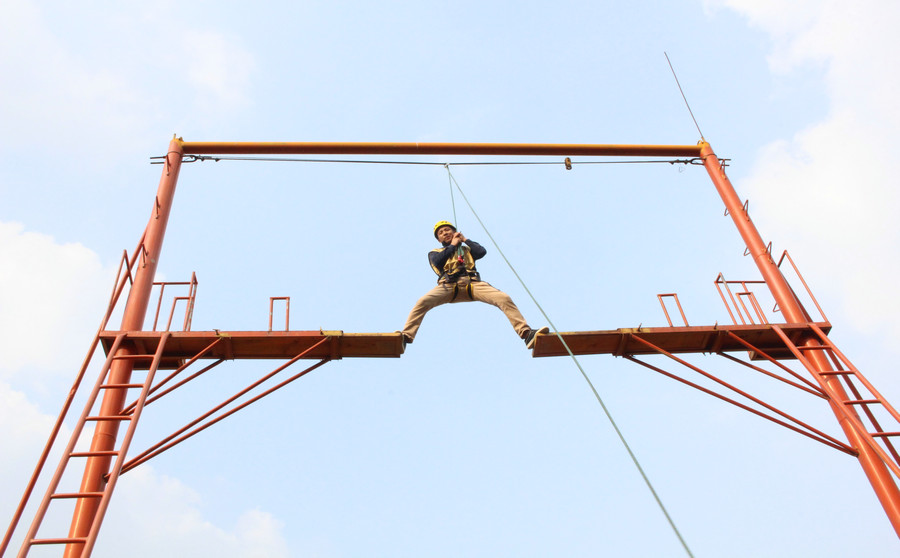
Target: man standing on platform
{"x": 459, "y": 281}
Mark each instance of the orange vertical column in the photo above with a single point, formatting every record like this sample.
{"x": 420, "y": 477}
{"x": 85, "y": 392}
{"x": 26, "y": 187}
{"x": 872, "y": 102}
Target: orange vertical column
{"x": 106, "y": 432}
{"x": 878, "y": 474}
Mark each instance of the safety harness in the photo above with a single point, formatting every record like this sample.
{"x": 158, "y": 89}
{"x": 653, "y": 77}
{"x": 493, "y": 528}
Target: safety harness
{"x": 462, "y": 264}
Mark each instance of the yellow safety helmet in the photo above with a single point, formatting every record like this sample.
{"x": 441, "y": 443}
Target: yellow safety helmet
{"x": 440, "y": 224}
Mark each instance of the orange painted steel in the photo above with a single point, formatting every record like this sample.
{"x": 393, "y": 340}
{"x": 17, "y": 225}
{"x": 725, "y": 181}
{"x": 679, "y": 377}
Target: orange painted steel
{"x": 416, "y": 148}
{"x": 261, "y": 344}
{"x": 777, "y": 416}
{"x": 774, "y": 341}
{"x": 876, "y": 471}
{"x": 105, "y": 434}
{"x": 687, "y": 339}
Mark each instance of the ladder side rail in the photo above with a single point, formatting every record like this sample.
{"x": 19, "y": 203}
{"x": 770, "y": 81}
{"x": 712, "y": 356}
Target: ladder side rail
{"x": 756, "y": 400}
{"x": 123, "y": 450}
{"x": 873, "y": 420}
{"x": 862, "y": 379}
{"x": 838, "y": 400}
{"x": 812, "y": 297}
{"x": 165, "y": 444}
{"x": 822, "y": 438}
{"x": 118, "y": 287}
{"x": 67, "y": 452}
{"x": 882, "y": 479}
{"x": 841, "y": 362}
{"x": 45, "y": 453}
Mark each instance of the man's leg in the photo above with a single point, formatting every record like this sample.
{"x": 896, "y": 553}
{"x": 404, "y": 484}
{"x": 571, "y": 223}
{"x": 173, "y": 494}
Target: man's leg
{"x": 441, "y": 294}
{"x": 484, "y": 292}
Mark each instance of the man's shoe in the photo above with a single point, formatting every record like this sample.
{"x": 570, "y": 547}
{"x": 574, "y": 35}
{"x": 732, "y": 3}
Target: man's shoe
{"x": 532, "y": 334}
{"x": 405, "y": 337}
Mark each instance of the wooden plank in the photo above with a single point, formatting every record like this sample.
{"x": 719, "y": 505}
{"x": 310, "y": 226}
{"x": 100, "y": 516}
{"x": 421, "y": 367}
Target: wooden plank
{"x": 688, "y": 339}
{"x": 235, "y": 345}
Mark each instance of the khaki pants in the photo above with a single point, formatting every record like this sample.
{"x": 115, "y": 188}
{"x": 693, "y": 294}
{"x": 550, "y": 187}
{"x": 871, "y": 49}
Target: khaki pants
{"x": 481, "y": 292}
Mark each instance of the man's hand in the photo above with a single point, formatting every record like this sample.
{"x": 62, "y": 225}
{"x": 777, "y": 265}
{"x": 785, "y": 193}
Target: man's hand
{"x": 458, "y": 238}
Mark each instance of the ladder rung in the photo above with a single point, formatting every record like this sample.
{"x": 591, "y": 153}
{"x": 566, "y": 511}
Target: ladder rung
{"x": 93, "y": 453}
{"x": 133, "y": 357}
{"x": 110, "y": 417}
{"x": 77, "y": 495}
{"x": 836, "y": 373}
{"x": 67, "y": 540}
{"x": 862, "y": 402}
{"x": 883, "y": 434}
{"x": 119, "y": 386}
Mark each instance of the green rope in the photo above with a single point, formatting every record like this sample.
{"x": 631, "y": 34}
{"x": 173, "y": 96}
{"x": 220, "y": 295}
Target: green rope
{"x": 451, "y": 180}
{"x": 606, "y": 411}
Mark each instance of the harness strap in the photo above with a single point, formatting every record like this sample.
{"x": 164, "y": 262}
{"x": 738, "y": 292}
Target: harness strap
{"x": 456, "y": 291}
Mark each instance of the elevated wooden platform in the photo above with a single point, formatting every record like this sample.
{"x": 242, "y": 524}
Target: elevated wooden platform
{"x": 701, "y": 339}
{"x": 231, "y": 345}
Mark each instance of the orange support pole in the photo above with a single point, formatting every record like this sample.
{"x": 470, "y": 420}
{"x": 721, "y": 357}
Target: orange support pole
{"x": 878, "y": 474}
{"x": 105, "y": 433}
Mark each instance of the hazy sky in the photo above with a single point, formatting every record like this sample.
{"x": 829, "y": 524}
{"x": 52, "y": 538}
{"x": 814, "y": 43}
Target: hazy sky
{"x": 466, "y": 446}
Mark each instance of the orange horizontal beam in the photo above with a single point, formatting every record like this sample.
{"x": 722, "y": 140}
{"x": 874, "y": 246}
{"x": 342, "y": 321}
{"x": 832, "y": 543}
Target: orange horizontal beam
{"x": 415, "y": 148}
{"x": 183, "y": 345}
{"x": 688, "y": 339}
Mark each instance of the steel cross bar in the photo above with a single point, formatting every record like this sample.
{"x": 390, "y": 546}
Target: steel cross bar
{"x": 813, "y": 388}
{"x": 175, "y": 373}
{"x": 875, "y": 468}
{"x": 820, "y": 436}
{"x": 417, "y": 148}
{"x": 174, "y": 439}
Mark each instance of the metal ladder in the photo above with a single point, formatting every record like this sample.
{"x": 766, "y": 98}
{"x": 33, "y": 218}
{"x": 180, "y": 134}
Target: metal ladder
{"x": 878, "y": 423}
{"x": 102, "y": 385}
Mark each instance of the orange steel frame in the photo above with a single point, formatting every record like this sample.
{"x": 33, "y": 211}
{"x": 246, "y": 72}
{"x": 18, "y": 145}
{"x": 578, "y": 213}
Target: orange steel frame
{"x": 85, "y": 517}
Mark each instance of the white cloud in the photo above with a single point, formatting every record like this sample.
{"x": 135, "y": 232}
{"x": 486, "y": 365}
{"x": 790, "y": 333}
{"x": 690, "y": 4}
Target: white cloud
{"x": 832, "y": 185}
{"x": 161, "y": 516}
{"x": 24, "y": 429}
{"x": 52, "y": 298}
{"x": 150, "y": 514}
{"x": 217, "y": 68}
{"x": 110, "y": 74}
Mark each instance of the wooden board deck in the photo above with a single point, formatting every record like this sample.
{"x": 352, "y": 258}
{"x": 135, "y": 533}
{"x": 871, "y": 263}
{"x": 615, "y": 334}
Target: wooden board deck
{"x": 231, "y": 345}
{"x": 700, "y": 339}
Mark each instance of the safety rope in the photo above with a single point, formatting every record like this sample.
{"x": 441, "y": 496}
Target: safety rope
{"x": 556, "y": 332}
{"x": 683, "y": 96}
{"x": 452, "y": 198}
{"x": 460, "y": 251}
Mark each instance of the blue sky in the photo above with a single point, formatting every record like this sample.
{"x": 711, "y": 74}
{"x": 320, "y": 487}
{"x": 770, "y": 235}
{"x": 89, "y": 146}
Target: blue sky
{"x": 466, "y": 446}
